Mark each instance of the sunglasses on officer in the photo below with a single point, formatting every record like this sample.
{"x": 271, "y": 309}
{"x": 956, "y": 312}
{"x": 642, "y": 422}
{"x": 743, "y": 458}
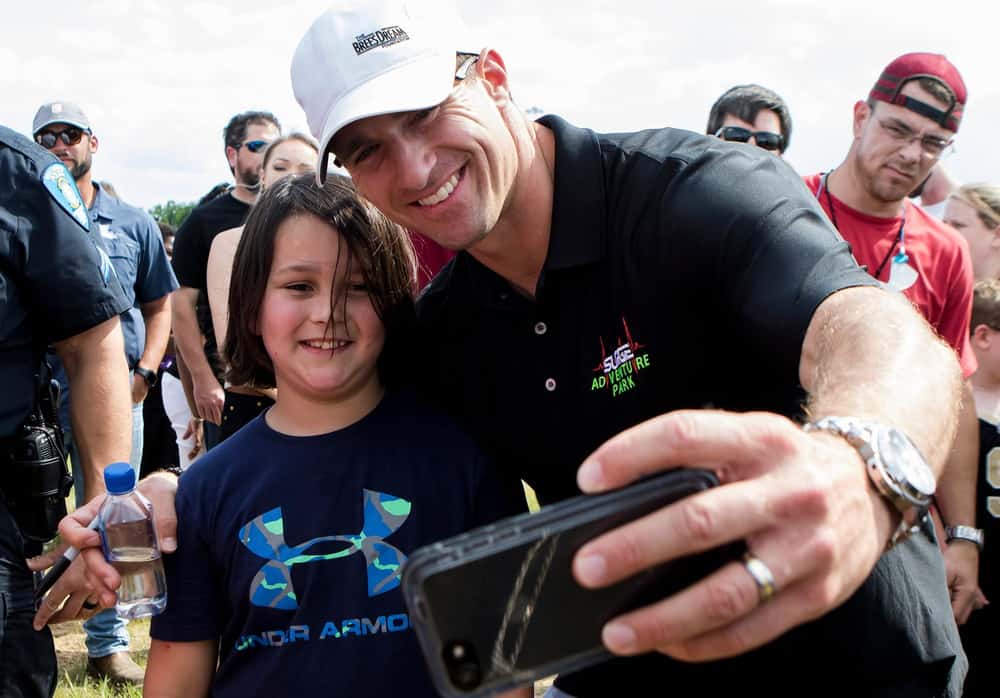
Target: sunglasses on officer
{"x": 69, "y": 136}
{"x": 764, "y": 139}
{"x": 254, "y": 146}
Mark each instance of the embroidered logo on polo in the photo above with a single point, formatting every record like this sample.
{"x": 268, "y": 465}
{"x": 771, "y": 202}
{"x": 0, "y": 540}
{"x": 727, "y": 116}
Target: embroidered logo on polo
{"x": 386, "y": 36}
{"x": 619, "y": 370}
{"x": 265, "y": 536}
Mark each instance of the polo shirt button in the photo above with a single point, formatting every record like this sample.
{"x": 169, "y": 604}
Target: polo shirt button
{"x": 550, "y": 384}
{"x": 541, "y": 328}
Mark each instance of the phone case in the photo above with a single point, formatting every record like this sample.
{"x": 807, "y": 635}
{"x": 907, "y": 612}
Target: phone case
{"x": 498, "y": 606}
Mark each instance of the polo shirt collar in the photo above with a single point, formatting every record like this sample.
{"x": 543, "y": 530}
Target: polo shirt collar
{"x": 100, "y": 208}
{"x": 578, "y": 202}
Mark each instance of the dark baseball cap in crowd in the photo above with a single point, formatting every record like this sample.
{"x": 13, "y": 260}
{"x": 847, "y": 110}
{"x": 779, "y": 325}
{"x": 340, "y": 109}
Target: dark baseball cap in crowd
{"x": 59, "y": 113}
{"x": 913, "y": 66}
{"x": 363, "y": 58}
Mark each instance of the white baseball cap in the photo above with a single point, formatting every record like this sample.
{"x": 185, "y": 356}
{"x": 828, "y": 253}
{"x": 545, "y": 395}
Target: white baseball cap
{"x": 363, "y": 58}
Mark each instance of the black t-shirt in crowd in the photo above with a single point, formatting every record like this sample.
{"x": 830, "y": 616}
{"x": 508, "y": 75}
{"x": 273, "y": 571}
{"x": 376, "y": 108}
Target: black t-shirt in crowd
{"x": 191, "y": 247}
{"x": 682, "y": 272}
{"x": 979, "y": 634}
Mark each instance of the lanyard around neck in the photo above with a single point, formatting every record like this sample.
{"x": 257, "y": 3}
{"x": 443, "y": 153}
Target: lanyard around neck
{"x": 900, "y": 241}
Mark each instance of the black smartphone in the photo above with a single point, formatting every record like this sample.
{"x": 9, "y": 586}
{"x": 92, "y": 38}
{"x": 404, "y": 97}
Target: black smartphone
{"x": 498, "y": 607}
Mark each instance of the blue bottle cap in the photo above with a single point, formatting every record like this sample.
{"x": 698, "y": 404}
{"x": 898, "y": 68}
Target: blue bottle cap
{"x": 119, "y": 478}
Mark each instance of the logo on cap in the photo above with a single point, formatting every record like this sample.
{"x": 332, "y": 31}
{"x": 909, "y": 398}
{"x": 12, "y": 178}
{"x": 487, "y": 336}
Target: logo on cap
{"x": 386, "y": 36}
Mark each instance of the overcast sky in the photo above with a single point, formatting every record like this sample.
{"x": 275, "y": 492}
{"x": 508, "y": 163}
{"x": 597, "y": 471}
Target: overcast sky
{"x": 159, "y": 79}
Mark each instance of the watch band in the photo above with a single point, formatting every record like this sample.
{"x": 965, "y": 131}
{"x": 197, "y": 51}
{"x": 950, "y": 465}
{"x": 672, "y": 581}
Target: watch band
{"x": 967, "y": 533}
{"x": 861, "y": 435}
{"x": 147, "y": 375}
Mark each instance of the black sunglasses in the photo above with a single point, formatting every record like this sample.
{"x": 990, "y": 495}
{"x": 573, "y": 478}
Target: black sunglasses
{"x": 69, "y": 136}
{"x": 253, "y": 146}
{"x": 765, "y": 139}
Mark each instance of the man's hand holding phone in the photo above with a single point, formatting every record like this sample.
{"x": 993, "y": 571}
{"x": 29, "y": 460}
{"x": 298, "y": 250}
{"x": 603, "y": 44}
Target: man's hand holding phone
{"x": 802, "y": 502}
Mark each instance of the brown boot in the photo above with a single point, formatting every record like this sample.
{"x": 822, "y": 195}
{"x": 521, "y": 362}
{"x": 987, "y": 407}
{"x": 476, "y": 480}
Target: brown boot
{"x": 117, "y": 668}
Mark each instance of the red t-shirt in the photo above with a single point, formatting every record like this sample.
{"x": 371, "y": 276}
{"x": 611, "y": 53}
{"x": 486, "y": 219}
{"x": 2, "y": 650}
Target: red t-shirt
{"x": 939, "y": 254}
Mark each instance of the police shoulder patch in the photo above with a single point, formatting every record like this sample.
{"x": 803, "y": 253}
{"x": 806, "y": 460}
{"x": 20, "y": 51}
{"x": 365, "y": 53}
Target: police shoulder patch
{"x": 62, "y": 188}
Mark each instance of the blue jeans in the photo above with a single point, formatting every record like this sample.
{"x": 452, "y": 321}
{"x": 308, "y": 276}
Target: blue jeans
{"x": 27, "y": 658}
{"x": 106, "y": 632}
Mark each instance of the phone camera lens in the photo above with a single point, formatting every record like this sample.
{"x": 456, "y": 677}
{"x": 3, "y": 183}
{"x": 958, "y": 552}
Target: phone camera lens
{"x": 463, "y": 665}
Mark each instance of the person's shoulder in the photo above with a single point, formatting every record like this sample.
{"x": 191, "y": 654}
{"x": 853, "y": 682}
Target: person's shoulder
{"x": 433, "y": 299}
{"x": 126, "y": 215}
{"x": 812, "y": 181}
{"x": 660, "y": 144}
{"x": 29, "y": 157}
{"x": 228, "y": 460}
{"x": 421, "y": 418}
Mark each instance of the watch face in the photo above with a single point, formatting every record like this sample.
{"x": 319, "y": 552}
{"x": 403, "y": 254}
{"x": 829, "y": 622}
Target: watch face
{"x": 904, "y": 463}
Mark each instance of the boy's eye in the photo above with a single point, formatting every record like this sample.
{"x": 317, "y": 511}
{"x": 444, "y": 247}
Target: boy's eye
{"x": 363, "y": 154}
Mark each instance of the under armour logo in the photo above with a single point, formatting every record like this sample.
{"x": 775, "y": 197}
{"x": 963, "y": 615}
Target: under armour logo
{"x": 265, "y": 536}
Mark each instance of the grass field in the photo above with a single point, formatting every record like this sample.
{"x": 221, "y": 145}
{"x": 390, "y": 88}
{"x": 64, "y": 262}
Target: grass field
{"x": 72, "y": 656}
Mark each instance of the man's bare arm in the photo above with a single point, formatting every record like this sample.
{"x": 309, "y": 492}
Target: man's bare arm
{"x": 956, "y": 502}
{"x": 102, "y": 407}
{"x": 208, "y": 394}
{"x": 869, "y": 354}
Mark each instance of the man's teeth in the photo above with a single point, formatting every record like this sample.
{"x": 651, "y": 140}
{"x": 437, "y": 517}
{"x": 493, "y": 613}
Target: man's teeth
{"x": 442, "y": 193}
{"x": 328, "y": 345}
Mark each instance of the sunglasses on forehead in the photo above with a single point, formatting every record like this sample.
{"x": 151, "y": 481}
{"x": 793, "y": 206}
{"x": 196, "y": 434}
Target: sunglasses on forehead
{"x": 253, "y": 146}
{"x": 69, "y": 136}
{"x": 765, "y": 139}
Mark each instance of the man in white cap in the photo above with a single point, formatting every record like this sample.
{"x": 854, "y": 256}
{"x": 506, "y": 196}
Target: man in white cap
{"x": 587, "y": 261}
{"x": 610, "y": 286}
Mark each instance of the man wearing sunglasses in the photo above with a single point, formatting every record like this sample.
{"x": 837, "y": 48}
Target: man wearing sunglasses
{"x": 246, "y": 137}
{"x": 133, "y": 242}
{"x": 751, "y": 114}
{"x": 901, "y": 132}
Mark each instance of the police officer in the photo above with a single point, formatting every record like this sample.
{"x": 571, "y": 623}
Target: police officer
{"x": 56, "y": 287}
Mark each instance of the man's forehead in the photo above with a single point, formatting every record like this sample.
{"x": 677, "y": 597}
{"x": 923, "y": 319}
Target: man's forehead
{"x": 918, "y": 122}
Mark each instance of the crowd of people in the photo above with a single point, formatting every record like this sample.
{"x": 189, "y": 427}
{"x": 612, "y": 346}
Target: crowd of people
{"x": 316, "y": 366}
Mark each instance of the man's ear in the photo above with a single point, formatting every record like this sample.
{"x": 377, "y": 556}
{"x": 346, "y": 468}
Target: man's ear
{"x": 231, "y": 154}
{"x": 862, "y": 112}
{"x": 491, "y": 69}
{"x": 981, "y": 336}
{"x": 93, "y": 143}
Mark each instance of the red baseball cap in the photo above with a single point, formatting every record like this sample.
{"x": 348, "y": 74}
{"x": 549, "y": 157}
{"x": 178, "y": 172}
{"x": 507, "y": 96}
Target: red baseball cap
{"x": 913, "y": 66}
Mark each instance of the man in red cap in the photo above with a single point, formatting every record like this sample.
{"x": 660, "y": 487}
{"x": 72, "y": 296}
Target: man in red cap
{"x": 901, "y": 132}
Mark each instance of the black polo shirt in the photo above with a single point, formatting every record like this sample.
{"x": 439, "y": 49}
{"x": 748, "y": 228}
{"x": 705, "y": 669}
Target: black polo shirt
{"x": 682, "y": 272}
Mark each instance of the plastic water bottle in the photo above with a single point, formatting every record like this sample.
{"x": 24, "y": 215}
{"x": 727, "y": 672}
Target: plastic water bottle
{"x": 128, "y": 536}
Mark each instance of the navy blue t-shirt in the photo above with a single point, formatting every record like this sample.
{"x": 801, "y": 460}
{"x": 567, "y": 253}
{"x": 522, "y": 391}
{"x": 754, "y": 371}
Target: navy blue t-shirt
{"x": 290, "y": 549}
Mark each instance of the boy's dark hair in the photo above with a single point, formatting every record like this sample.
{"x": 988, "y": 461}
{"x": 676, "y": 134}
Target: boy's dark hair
{"x": 745, "y": 102}
{"x": 236, "y": 129}
{"x": 381, "y": 248}
{"x": 986, "y": 305}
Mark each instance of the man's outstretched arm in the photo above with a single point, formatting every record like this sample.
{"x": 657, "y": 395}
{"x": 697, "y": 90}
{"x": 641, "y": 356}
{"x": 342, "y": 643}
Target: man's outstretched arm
{"x": 802, "y": 502}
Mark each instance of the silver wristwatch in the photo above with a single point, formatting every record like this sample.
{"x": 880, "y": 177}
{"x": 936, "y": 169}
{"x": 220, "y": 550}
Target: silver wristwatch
{"x": 896, "y": 467}
{"x": 968, "y": 533}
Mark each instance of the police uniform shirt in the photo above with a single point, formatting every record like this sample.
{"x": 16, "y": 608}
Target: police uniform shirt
{"x": 682, "y": 272}
{"x": 54, "y": 280}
